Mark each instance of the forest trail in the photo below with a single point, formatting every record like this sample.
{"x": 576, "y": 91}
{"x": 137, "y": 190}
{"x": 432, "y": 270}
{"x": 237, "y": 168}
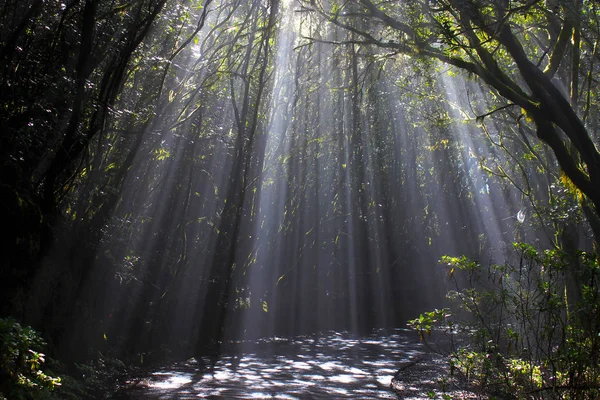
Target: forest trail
{"x": 331, "y": 365}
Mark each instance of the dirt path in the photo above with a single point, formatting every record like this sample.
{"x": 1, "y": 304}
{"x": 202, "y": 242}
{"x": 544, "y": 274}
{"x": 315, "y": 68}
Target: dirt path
{"x": 428, "y": 376}
{"x": 385, "y": 365}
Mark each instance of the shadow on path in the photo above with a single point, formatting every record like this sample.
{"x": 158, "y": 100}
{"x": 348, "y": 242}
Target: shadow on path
{"x": 327, "y": 366}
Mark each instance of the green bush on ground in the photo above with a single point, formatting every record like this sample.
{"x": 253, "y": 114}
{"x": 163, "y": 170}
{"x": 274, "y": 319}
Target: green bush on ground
{"x": 527, "y": 329}
{"x": 21, "y": 360}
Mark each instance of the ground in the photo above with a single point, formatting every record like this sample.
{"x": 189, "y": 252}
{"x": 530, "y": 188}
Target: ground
{"x": 428, "y": 376}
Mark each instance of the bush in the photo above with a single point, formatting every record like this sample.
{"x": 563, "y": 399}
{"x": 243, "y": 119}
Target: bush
{"x": 527, "y": 329}
{"x": 21, "y": 359}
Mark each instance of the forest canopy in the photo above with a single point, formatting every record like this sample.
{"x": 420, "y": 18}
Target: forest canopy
{"x": 537, "y": 57}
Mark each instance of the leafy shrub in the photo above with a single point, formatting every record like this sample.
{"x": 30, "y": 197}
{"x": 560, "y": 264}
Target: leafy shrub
{"x": 93, "y": 379}
{"x": 21, "y": 359}
{"x": 527, "y": 329}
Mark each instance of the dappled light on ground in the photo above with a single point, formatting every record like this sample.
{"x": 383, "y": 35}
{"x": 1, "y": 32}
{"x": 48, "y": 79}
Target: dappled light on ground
{"x": 333, "y": 365}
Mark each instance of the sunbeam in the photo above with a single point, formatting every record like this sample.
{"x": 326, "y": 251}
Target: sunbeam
{"x": 255, "y": 198}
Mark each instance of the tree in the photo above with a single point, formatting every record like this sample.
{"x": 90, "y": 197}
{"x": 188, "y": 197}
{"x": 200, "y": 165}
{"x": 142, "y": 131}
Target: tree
{"x": 538, "y": 56}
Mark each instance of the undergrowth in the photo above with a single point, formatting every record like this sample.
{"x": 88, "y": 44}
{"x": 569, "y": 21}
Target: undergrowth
{"x": 26, "y": 373}
{"x": 527, "y": 329}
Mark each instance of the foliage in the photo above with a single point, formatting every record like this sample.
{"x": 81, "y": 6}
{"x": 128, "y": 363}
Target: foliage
{"x": 22, "y": 377}
{"x": 94, "y": 379}
{"x": 21, "y": 359}
{"x": 164, "y": 150}
{"x": 538, "y": 57}
{"x": 528, "y": 328}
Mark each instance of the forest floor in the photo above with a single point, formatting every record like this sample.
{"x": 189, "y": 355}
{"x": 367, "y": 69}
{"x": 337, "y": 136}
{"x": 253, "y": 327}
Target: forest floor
{"x": 390, "y": 365}
{"x": 428, "y": 376}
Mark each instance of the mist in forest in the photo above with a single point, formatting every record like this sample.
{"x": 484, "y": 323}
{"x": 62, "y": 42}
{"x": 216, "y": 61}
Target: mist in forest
{"x": 210, "y": 171}
{"x": 279, "y": 188}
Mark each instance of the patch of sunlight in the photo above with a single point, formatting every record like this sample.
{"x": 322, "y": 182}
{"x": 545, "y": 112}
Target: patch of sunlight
{"x": 271, "y": 371}
{"x": 356, "y": 371}
{"x": 344, "y": 342}
{"x": 413, "y": 353}
{"x": 375, "y": 363}
{"x": 222, "y": 375}
{"x": 330, "y": 365}
{"x": 276, "y": 384}
{"x": 301, "y": 365}
{"x": 375, "y": 342}
{"x": 173, "y": 382}
{"x": 250, "y": 360}
{"x": 315, "y": 377}
{"x": 342, "y": 392}
{"x": 343, "y": 379}
{"x": 385, "y": 380}
{"x": 252, "y": 377}
{"x": 259, "y": 395}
